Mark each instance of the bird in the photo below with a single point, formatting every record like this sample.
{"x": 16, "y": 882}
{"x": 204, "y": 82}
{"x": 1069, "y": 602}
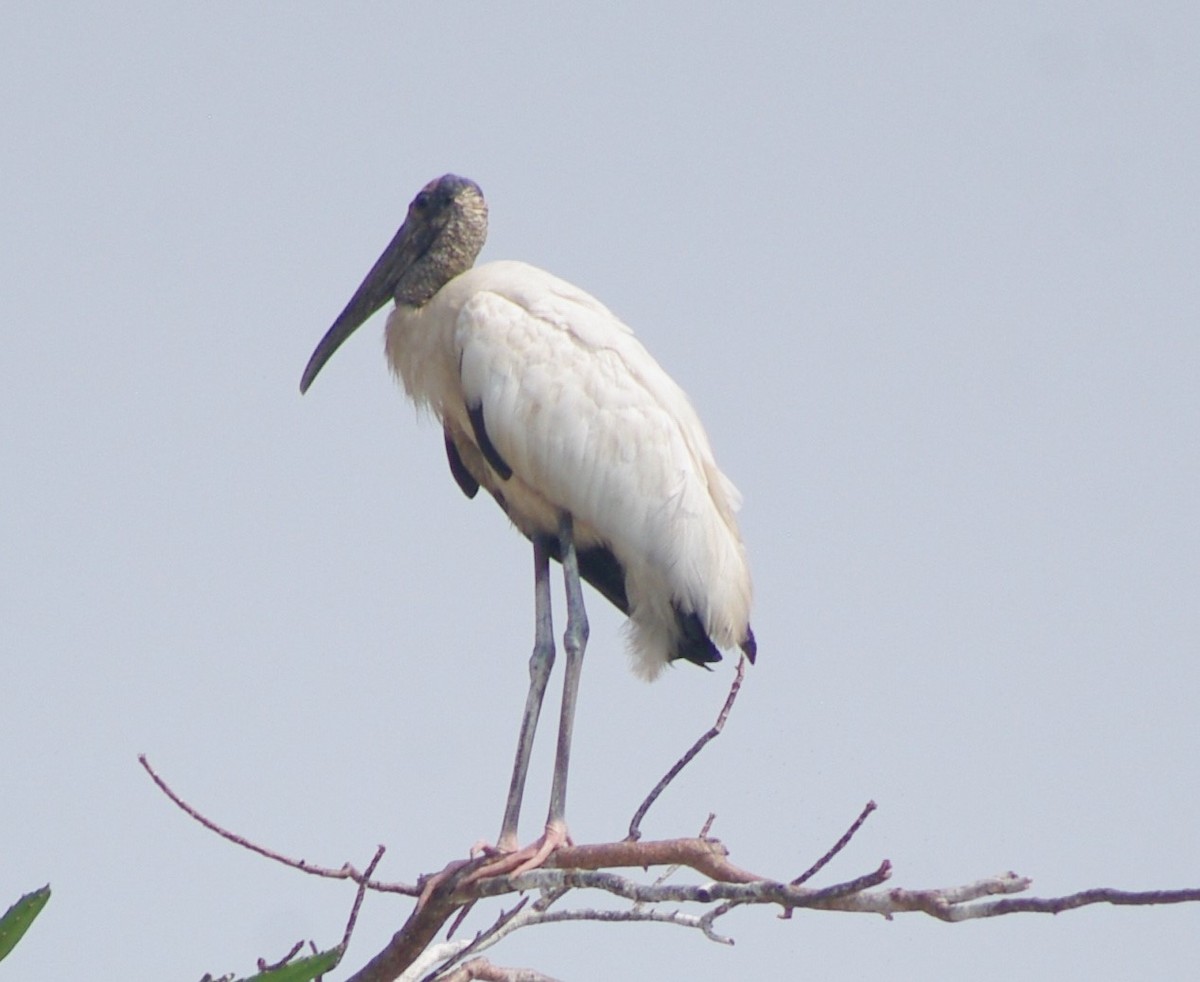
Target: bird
{"x": 549, "y": 403}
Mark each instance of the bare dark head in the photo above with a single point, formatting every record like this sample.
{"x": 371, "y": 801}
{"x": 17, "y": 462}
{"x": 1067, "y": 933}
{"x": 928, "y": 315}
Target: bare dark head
{"x": 442, "y": 234}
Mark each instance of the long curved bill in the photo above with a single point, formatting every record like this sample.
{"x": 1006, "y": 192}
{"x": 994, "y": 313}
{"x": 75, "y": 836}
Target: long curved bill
{"x": 373, "y": 293}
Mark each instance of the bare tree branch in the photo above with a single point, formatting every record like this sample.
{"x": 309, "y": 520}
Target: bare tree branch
{"x": 344, "y": 872}
{"x": 413, "y": 955}
{"x": 421, "y": 928}
{"x": 706, "y": 856}
{"x": 533, "y": 917}
{"x": 837, "y": 847}
{"x": 433, "y": 959}
{"x": 481, "y": 968}
{"x": 483, "y": 940}
{"x": 943, "y": 905}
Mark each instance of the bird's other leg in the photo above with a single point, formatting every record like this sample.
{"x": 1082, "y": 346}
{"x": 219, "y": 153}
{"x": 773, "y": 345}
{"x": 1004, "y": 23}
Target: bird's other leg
{"x": 574, "y": 643}
{"x": 540, "y": 664}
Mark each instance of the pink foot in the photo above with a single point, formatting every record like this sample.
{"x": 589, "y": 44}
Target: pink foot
{"x": 511, "y": 862}
{"x": 501, "y": 861}
{"x": 438, "y": 879}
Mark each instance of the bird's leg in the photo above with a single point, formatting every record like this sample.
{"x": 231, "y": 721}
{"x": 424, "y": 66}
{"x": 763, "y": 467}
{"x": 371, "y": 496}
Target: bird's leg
{"x": 540, "y": 663}
{"x": 505, "y": 856}
{"x": 574, "y": 643}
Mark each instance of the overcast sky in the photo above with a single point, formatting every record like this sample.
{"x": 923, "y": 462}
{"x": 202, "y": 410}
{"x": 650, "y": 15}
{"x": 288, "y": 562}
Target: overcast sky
{"x": 931, "y": 275}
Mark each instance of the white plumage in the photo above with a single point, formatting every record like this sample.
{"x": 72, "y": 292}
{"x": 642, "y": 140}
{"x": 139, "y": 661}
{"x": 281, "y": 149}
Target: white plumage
{"x": 549, "y": 403}
{"x": 590, "y": 424}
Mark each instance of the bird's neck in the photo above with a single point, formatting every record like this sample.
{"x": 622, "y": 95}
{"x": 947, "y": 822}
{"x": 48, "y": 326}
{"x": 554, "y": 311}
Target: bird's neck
{"x": 453, "y": 252}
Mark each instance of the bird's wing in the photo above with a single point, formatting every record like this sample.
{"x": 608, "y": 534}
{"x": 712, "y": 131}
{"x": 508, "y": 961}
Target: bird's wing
{"x": 580, "y": 410}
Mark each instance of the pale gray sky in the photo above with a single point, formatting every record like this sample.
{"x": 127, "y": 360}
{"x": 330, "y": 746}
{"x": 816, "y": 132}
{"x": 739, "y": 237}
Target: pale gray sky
{"x": 929, "y": 273}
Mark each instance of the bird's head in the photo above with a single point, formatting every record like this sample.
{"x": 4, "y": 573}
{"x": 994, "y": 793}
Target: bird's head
{"x": 442, "y": 234}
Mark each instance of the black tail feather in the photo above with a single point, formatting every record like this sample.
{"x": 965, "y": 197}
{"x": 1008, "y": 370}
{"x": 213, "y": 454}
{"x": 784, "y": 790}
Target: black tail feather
{"x": 694, "y": 643}
{"x": 599, "y": 567}
{"x": 749, "y": 645}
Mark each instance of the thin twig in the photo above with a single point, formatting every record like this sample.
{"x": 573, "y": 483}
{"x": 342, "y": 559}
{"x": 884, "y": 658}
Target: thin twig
{"x": 852, "y": 887}
{"x": 408, "y": 944}
{"x": 837, "y": 847}
{"x": 345, "y": 872}
{"x": 358, "y": 898}
{"x": 706, "y": 924}
{"x": 1056, "y": 905}
{"x": 632, "y": 916}
{"x": 635, "y": 830}
{"x": 1099, "y": 895}
{"x": 264, "y": 966}
{"x": 482, "y": 940}
{"x": 548, "y": 899}
{"x": 457, "y": 922}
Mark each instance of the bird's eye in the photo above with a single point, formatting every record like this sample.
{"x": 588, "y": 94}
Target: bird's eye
{"x": 421, "y": 201}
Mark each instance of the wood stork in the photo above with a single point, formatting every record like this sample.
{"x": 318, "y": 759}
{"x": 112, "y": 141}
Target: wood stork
{"x": 549, "y": 403}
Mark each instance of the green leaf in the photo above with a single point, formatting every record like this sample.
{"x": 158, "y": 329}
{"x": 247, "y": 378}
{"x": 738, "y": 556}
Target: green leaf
{"x": 19, "y": 916}
{"x": 301, "y": 970}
